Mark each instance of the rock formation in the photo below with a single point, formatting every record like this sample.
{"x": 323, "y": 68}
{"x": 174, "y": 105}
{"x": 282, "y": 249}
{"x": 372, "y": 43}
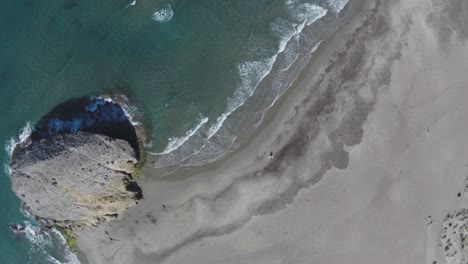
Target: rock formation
{"x": 77, "y": 177}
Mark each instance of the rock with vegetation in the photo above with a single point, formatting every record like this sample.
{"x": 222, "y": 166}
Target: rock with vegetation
{"x": 83, "y": 178}
{"x": 75, "y": 178}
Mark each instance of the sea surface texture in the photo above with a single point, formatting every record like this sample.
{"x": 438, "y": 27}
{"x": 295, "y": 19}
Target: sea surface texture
{"x": 198, "y": 73}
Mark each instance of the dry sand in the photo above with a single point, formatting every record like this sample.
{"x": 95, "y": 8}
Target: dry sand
{"x": 370, "y": 155}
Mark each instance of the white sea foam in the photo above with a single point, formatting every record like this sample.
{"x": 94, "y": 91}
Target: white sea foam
{"x": 291, "y": 55}
{"x": 70, "y": 258}
{"x": 337, "y": 5}
{"x": 317, "y": 13}
{"x": 164, "y": 14}
{"x": 175, "y": 143}
{"x": 279, "y": 80}
{"x": 10, "y": 146}
{"x": 23, "y": 136}
{"x": 133, "y": 3}
{"x": 33, "y": 233}
{"x": 129, "y": 110}
{"x": 305, "y": 12}
{"x": 284, "y": 30}
{"x": 25, "y": 132}
{"x": 200, "y": 147}
{"x": 251, "y": 73}
{"x": 42, "y": 241}
{"x": 53, "y": 260}
{"x": 315, "y": 47}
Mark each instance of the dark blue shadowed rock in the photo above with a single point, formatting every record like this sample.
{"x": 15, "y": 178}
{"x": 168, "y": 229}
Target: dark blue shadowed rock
{"x": 94, "y": 115}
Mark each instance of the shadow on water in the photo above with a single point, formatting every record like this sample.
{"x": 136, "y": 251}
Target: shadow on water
{"x": 87, "y": 114}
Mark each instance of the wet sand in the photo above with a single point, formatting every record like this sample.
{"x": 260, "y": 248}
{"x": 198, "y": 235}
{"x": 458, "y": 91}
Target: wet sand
{"x": 367, "y": 144}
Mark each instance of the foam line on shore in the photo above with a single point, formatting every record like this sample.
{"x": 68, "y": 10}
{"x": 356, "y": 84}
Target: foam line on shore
{"x": 252, "y": 73}
{"x": 175, "y": 143}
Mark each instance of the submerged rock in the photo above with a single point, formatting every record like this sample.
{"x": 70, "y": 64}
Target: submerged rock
{"x": 76, "y": 168}
{"x": 17, "y": 229}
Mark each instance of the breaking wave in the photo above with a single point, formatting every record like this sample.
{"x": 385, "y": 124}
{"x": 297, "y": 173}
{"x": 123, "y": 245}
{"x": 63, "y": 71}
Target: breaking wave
{"x": 251, "y": 73}
{"x": 46, "y": 241}
{"x": 23, "y": 136}
{"x": 130, "y": 111}
{"x": 208, "y": 141}
{"x": 132, "y": 3}
{"x": 164, "y": 14}
{"x": 305, "y": 12}
{"x": 337, "y": 5}
{"x": 175, "y": 143}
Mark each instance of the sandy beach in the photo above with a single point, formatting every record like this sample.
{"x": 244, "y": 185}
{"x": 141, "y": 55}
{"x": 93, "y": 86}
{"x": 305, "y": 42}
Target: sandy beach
{"x": 369, "y": 158}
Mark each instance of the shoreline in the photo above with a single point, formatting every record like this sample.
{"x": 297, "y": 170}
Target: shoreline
{"x": 271, "y": 117}
{"x": 274, "y": 118}
{"x": 318, "y": 33}
{"x": 369, "y": 160}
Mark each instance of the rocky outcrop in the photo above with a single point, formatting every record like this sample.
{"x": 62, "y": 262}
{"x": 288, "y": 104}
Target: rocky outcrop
{"x": 80, "y": 178}
{"x": 70, "y": 175}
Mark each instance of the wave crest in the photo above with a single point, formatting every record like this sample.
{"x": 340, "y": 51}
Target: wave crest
{"x": 337, "y": 5}
{"x": 271, "y": 58}
{"x": 251, "y": 74}
{"x": 43, "y": 241}
{"x": 164, "y": 14}
{"x": 305, "y": 12}
{"x": 175, "y": 143}
{"x": 23, "y": 136}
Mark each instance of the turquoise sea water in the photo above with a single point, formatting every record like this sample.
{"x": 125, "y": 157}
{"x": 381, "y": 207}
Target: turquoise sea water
{"x": 202, "y": 72}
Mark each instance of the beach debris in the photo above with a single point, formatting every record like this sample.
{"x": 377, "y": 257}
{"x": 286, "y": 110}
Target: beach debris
{"x": 271, "y": 155}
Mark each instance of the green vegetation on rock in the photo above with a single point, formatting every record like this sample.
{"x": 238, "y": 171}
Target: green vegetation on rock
{"x": 70, "y": 238}
{"x": 137, "y": 173}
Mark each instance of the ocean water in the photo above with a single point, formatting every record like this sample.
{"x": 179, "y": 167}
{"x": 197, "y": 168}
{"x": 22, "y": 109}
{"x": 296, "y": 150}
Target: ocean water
{"x": 199, "y": 73}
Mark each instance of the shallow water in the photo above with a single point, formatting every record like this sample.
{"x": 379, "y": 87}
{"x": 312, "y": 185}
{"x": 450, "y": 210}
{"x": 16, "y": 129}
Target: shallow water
{"x": 201, "y": 72}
